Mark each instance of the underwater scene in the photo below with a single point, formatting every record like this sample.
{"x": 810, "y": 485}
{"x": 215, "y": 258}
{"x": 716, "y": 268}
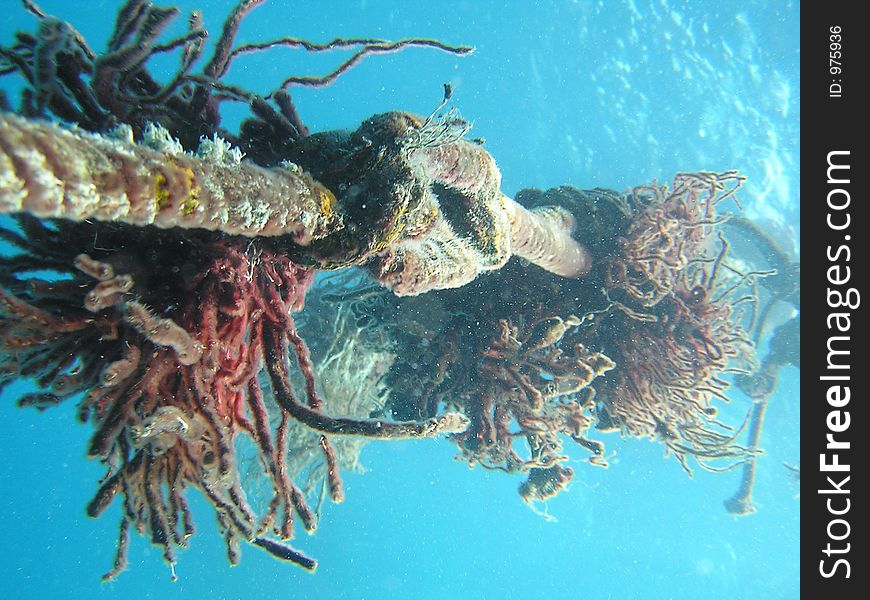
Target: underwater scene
{"x": 369, "y": 299}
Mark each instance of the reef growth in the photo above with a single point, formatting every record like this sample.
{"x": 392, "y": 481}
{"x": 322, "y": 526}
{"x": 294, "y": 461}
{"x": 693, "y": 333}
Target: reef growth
{"x": 157, "y": 278}
{"x": 640, "y": 345}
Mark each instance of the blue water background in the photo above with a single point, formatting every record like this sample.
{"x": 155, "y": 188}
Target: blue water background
{"x": 608, "y": 94}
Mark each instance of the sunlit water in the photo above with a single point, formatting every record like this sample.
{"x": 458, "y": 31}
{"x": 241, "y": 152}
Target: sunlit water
{"x": 585, "y": 93}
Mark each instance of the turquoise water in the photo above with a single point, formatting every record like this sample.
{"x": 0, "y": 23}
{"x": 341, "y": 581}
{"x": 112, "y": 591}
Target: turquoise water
{"x": 585, "y": 93}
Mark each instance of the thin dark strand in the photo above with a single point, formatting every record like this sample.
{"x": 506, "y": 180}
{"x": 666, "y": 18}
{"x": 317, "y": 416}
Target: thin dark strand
{"x": 33, "y": 9}
{"x": 220, "y": 61}
{"x": 120, "y": 563}
{"x": 317, "y": 82}
{"x": 231, "y": 92}
{"x": 192, "y": 36}
{"x": 285, "y": 552}
{"x": 276, "y": 359}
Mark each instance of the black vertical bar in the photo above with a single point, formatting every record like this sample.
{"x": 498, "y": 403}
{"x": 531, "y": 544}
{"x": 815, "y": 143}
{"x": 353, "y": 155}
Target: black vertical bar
{"x": 835, "y": 228}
